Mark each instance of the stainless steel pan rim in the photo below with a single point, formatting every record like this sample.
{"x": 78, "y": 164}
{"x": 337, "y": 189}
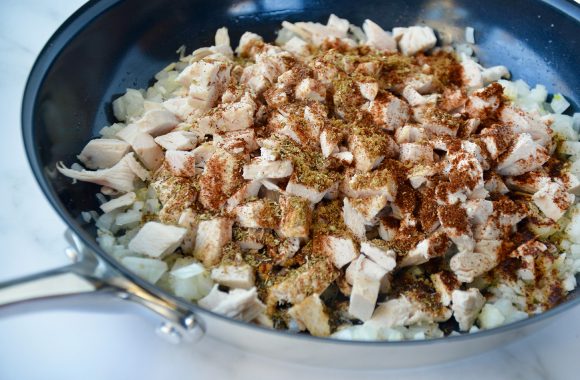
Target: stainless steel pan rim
{"x": 74, "y": 24}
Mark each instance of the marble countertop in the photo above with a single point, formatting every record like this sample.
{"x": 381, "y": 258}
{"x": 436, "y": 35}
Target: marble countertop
{"x": 82, "y": 345}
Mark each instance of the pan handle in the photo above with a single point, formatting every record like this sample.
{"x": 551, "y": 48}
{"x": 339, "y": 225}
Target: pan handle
{"x": 91, "y": 283}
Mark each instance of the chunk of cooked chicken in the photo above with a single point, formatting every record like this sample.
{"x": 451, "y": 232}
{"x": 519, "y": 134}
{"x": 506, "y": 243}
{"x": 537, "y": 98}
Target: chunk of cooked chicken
{"x": 523, "y": 156}
{"x": 260, "y": 168}
{"x": 103, "y": 153}
{"x": 258, "y": 214}
{"x": 523, "y": 122}
{"x": 368, "y": 89}
{"x": 220, "y": 178}
{"x": 157, "y": 239}
{"x": 206, "y": 81}
{"x": 471, "y": 74}
{"x": 120, "y": 177}
{"x": 211, "y": 236}
{"x": 341, "y": 250}
{"x": 178, "y": 140}
{"x": 466, "y": 306}
{"x": 312, "y": 277}
{"x": 366, "y": 283}
{"x": 435, "y": 245}
{"x": 416, "y": 153}
{"x": 553, "y": 200}
{"x": 377, "y": 182}
{"x": 180, "y": 163}
{"x": 444, "y": 283}
{"x": 415, "y": 39}
{"x": 370, "y": 147}
{"x": 306, "y": 191}
{"x": 156, "y": 122}
{"x": 145, "y": 147}
{"x": 240, "y": 276}
{"x": 388, "y": 111}
{"x": 380, "y": 254}
{"x": 296, "y": 217}
{"x": 378, "y": 38}
{"x": 310, "y": 89}
{"x": 529, "y": 182}
{"x": 404, "y": 311}
{"x": 238, "y": 303}
{"x": 229, "y": 117}
{"x": 310, "y": 314}
{"x": 468, "y": 265}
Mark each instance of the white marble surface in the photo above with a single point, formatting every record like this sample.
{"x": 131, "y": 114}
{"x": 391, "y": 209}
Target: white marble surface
{"x": 79, "y": 345}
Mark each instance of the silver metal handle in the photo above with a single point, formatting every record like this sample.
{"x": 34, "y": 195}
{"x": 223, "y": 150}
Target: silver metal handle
{"x": 90, "y": 282}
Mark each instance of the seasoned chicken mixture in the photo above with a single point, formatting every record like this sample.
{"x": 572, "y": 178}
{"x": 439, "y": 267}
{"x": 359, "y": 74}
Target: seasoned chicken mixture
{"x": 347, "y": 182}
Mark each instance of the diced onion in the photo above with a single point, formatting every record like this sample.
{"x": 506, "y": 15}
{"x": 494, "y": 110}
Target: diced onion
{"x": 470, "y": 35}
{"x": 559, "y": 104}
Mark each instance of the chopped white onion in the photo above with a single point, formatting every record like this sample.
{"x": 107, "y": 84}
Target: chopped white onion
{"x": 470, "y": 35}
{"x": 559, "y": 104}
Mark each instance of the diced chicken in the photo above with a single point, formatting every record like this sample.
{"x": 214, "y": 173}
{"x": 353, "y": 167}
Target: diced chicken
{"x": 381, "y": 255}
{"x": 495, "y": 184}
{"x": 179, "y": 106}
{"x": 103, "y": 153}
{"x": 340, "y": 250}
{"x": 206, "y": 81}
{"x": 311, "y": 315}
{"x": 310, "y": 89}
{"x": 247, "y": 136}
{"x": 259, "y": 168}
{"x": 523, "y": 156}
{"x": 368, "y": 89}
{"x": 220, "y": 178}
{"x": 250, "y": 44}
{"x": 529, "y": 182}
{"x": 317, "y": 33}
{"x": 404, "y": 311}
{"x": 378, "y": 38}
{"x": 376, "y": 182}
{"x": 370, "y": 149}
{"x": 445, "y": 283}
{"x": 455, "y": 223}
{"x": 435, "y": 245}
{"x": 414, "y": 98}
{"x": 257, "y": 214}
{"x": 247, "y": 190}
{"x": 484, "y": 101}
{"x": 296, "y": 217}
{"x": 471, "y": 74}
{"x": 157, "y": 122}
{"x": 497, "y": 139}
{"x": 468, "y": 265}
{"x": 120, "y": 177}
{"x": 287, "y": 249}
{"x": 416, "y": 153}
{"x": 328, "y": 144}
{"x": 346, "y": 158}
{"x": 524, "y": 123}
{"x": 388, "y": 228}
{"x": 297, "y": 46}
{"x": 178, "y": 140}
{"x": 147, "y": 150}
{"x": 234, "y": 275}
{"x": 305, "y": 191}
{"x": 303, "y": 125}
{"x": 188, "y": 220}
{"x": 570, "y": 181}
{"x": 553, "y": 200}
{"x": 211, "y": 236}
{"x": 180, "y": 163}
{"x": 157, "y": 239}
{"x": 353, "y": 219}
{"x": 249, "y": 238}
{"x": 494, "y": 73}
{"x": 312, "y": 277}
{"x": 238, "y": 303}
{"x": 528, "y": 253}
{"x": 203, "y": 153}
{"x": 466, "y": 307}
{"x": 478, "y": 210}
{"x": 230, "y": 116}
{"x": 388, "y": 111}
{"x": 416, "y": 39}
{"x": 438, "y": 122}
{"x": 409, "y": 134}
{"x": 366, "y": 283}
